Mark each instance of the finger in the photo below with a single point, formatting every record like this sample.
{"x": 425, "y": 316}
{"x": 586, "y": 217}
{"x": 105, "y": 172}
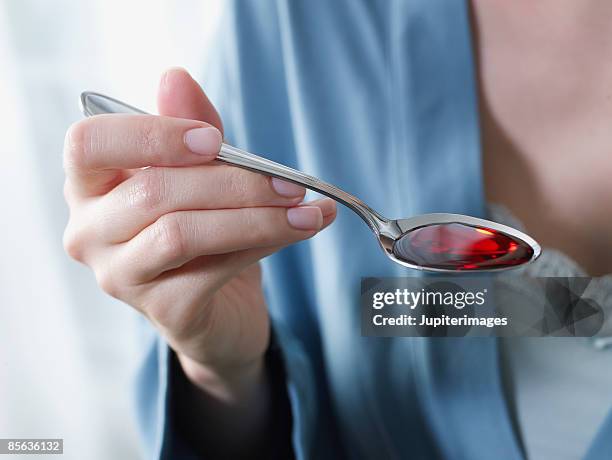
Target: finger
{"x": 227, "y": 265}
{"x": 180, "y": 96}
{"x": 179, "y": 237}
{"x": 99, "y": 146}
{"x": 248, "y": 257}
{"x": 199, "y": 278}
{"x": 153, "y": 192}
{"x": 120, "y": 274}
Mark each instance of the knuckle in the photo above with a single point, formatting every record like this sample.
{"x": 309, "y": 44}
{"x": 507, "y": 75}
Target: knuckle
{"x": 262, "y": 184}
{"x": 236, "y": 184}
{"x": 169, "y": 238}
{"x": 256, "y": 228}
{"x": 121, "y": 273}
{"x": 276, "y": 229}
{"x": 148, "y": 137}
{"x": 147, "y": 189}
{"x": 78, "y": 144}
{"x": 107, "y": 282}
{"x": 73, "y": 242}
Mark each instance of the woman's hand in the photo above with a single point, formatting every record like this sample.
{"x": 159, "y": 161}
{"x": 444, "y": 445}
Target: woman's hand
{"x": 180, "y": 240}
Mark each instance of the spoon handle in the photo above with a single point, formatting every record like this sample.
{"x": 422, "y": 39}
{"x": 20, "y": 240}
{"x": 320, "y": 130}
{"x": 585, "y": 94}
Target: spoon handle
{"x": 96, "y": 104}
{"x": 237, "y": 157}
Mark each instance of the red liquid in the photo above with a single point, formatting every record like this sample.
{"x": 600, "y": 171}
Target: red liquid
{"x": 461, "y": 247}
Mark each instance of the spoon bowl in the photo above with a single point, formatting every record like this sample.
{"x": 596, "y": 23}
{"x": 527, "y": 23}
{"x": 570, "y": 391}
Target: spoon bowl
{"x": 447, "y": 243}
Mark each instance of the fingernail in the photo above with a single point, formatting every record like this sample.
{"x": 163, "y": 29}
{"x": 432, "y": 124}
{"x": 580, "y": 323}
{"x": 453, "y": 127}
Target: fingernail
{"x": 204, "y": 141}
{"x": 288, "y": 189}
{"x": 326, "y": 205}
{"x": 305, "y": 217}
{"x": 168, "y": 73}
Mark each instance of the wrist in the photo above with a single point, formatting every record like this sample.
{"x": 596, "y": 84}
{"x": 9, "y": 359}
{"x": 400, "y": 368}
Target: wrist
{"x": 229, "y": 384}
{"x": 236, "y": 400}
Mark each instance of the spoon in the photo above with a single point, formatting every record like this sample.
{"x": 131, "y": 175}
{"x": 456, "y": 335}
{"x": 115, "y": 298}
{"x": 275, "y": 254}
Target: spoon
{"x": 447, "y": 243}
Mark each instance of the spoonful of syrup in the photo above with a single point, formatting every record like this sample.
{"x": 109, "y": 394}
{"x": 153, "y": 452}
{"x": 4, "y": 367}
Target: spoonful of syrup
{"x": 430, "y": 242}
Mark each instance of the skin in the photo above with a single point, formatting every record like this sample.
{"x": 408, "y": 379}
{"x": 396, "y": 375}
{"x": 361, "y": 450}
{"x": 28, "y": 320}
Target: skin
{"x": 158, "y": 239}
{"x": 180, "y": 242}
{"x": 546, "y": 109}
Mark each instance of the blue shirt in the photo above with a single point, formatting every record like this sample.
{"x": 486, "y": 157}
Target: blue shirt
{"x": 379, "y": 98}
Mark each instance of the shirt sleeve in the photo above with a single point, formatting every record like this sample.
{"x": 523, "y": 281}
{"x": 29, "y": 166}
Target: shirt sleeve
{"x": 160, "y": 378}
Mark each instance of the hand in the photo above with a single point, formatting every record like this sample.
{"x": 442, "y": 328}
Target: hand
{"x": 181, "y": 239}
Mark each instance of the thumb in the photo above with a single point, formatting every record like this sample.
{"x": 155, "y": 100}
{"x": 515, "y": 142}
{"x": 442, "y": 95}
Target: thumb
{"x": 180, "y": 96}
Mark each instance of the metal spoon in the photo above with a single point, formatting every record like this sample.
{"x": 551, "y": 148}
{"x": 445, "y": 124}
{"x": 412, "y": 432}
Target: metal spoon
{"x": 433, "y": 242}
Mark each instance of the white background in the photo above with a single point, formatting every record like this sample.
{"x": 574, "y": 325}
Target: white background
{"x": 67, "y": 351}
